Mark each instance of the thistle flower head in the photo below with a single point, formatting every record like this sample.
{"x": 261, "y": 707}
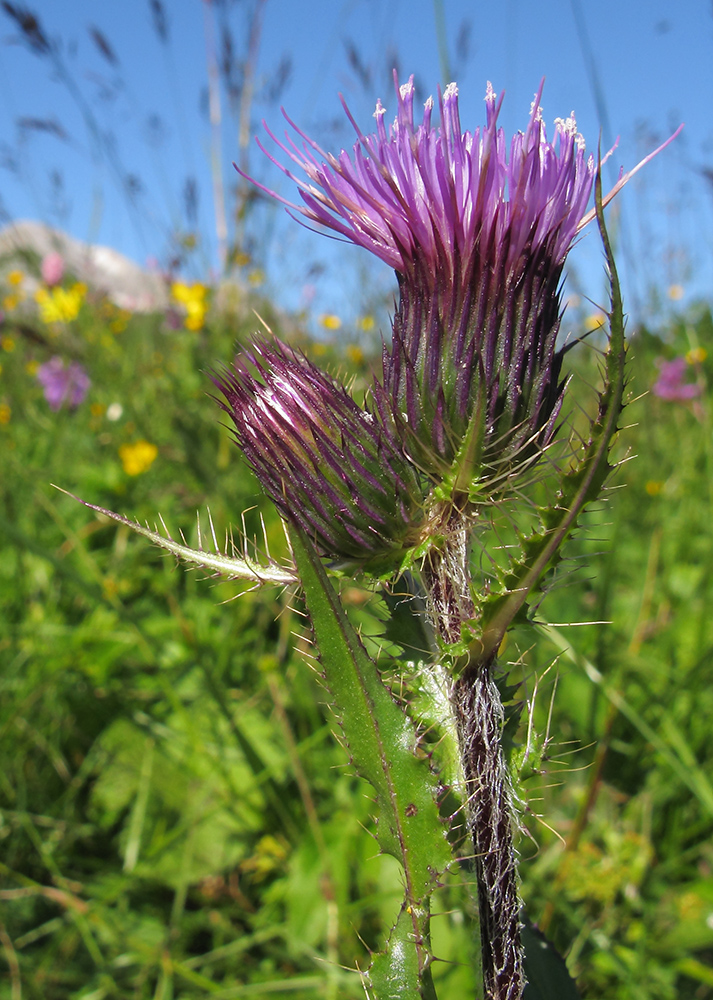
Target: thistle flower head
{"x": 478, "y": 236}
{"x": 327, "y": 464}
{"x": 470, "y": 391}
{"x": 419, "y": 195}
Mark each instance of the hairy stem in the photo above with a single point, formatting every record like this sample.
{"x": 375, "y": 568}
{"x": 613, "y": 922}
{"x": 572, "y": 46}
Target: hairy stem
{"x": 478, "y": 713}
{"x": 446, "y": 576}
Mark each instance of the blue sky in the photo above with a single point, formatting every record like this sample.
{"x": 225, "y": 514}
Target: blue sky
{"x": 634, "y": 69}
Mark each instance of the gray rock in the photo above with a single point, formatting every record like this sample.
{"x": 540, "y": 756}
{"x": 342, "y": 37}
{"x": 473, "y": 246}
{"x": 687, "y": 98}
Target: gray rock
{"x": 100, "y": 268}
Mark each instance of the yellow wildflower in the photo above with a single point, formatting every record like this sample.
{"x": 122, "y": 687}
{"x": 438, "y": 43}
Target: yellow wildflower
{"x": 60, "y": 305}
{"x": 11, "y": 302}
{"x": 676, "y": 292}
{"x": 15, "y": 278}
{"x": 138, "y": 457}
{"x": 654, "y": 487}
{"x": 193, "y": 300}
{"x": 31, "y": 367}
{"x": 8, "y": 344}
{"x": 330, "y": 321}
{"x": 194, "y": 321}
{"x": 696, "y": 356}
{"x": 256, "y": 277}
{"x": 5, "y": 413}
{"x": 366, "y": 323}
{"x": 97, "y": 409}
{"x": 355, "y": 354}
{"x": 595, "y": 321}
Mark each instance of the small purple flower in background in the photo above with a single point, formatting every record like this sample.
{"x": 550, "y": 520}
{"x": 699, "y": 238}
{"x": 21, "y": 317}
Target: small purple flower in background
{"x": 63, "y": 384}
{"x": 52, "y": 268}
{"x": 670, "y": 384}
{"x": 173, "y": 318}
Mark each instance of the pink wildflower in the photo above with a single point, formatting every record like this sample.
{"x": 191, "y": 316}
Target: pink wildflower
{"x": 670, "y": 384}
{"x": 52, "y": 268}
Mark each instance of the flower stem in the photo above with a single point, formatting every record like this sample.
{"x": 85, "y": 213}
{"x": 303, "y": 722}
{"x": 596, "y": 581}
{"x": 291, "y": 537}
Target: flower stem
{"x": 478, "y": 713}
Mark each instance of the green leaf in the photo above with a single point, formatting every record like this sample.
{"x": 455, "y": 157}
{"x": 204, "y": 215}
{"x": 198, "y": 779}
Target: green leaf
{"x": 383, "y": 744}
{"x": 547, "y": 975}
{"x": 407, "y": 625}
{"x": 430, "y": 683}
{"x": 395, "y": 974}
{"x": 233, "y": 567}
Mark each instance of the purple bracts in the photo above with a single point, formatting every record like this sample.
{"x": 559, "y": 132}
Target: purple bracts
{"x": 326, "y": 463}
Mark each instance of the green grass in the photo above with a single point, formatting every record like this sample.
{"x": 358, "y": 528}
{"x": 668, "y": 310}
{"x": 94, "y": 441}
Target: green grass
{"x": 177, "y": 818}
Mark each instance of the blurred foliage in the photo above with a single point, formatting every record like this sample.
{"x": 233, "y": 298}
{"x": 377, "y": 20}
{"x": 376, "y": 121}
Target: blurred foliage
{"x": 177, "y": 819}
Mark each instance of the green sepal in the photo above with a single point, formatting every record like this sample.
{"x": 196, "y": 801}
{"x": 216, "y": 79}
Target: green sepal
{"x": 463, "y": 479}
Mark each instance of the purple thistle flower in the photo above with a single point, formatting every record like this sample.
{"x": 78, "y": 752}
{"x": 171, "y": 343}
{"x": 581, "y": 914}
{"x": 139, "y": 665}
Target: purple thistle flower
{"x": 327, "y": 464}
{"x": 670, "y": 384}
{"x": 478, "y": 240}
{"x": 63, "y": 384}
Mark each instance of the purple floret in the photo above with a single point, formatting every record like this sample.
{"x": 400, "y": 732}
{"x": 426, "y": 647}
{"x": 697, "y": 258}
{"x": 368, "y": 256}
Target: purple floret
{"x": 427, "y": 192}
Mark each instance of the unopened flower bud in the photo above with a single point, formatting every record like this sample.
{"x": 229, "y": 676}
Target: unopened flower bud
{"x": 330, "y": 466}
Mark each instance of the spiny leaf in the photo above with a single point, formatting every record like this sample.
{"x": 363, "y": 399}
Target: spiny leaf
{"x": 382, "y": 742}
{"x": 579, "y": 485}
{"x": 394, "y": 974}
{"x": 381, "y": 738}
{"x": 233, "y": 567}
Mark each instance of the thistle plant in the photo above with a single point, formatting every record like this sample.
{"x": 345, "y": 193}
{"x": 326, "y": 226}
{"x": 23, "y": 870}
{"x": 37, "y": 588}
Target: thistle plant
{"x": 464, "y": 416}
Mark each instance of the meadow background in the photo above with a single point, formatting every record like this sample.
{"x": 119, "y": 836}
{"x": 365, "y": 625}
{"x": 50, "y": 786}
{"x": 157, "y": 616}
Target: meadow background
{"x": 176, "y": 816}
